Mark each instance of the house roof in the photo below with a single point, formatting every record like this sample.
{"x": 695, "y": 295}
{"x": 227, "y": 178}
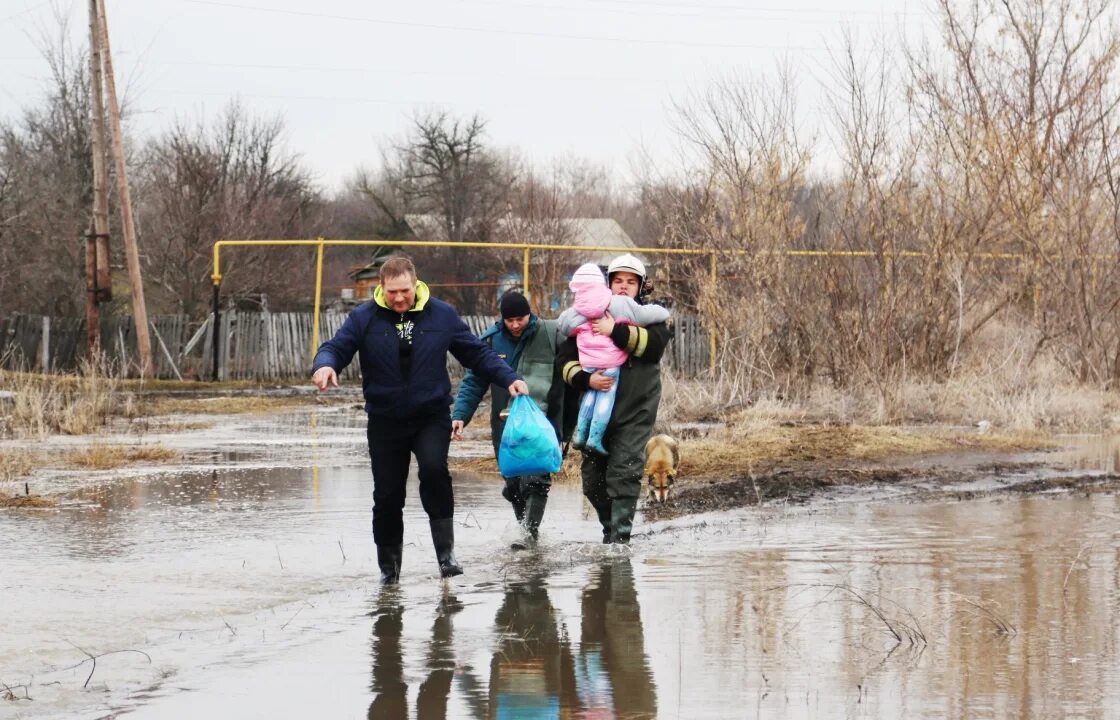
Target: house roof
{"x": 373, "y": 270}
{"x": 585, "y": 232}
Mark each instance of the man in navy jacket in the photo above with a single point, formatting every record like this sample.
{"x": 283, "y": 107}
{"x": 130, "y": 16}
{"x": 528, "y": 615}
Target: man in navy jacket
{"x": 402, "y": 339}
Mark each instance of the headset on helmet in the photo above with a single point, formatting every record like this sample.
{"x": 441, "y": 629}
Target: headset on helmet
{"x": 630, "y": 263}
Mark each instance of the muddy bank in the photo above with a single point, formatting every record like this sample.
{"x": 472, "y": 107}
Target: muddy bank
{"x": 917, "y": 479}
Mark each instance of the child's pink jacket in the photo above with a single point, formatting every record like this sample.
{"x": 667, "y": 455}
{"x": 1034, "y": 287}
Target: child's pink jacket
{"x": 596, "y": 351}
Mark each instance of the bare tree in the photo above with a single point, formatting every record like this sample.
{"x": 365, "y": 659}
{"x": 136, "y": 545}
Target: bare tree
{"x": 45, "y": 190}
{"x": 1023, "y": 124}
{"x": 444, "y": 169}
{"x": 232, "y": 179}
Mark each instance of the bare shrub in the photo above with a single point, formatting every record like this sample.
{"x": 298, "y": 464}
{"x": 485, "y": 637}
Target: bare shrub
{"x": 739, "y": 203}
{"x": 978, "y": 186}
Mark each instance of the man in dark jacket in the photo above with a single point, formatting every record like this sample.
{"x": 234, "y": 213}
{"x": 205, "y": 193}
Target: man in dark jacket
{"x": 613, "y": 482}
{"x": 528, "y": 345}
{"x": 402, "y": 339}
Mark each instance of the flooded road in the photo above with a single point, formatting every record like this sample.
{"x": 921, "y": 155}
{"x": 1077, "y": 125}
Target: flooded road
{"x": 252, "y": 593}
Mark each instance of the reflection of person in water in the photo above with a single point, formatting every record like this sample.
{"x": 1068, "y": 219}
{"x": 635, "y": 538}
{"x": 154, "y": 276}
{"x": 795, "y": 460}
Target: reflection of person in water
{"x": 534, "y": 672}
{"x": 531, "y": 672}
{"x": 390, "y": 690}
{"x": 613, "y": 678}
{"x": 388, "y": 686}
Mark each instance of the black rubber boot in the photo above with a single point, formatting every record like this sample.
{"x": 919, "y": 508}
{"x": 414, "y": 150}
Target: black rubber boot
{"x": 534, "y": 513}
{"x": 603, "y": 511}
{"x": 389, "y": 560}
{"x": 622, "y": 518}
{"x": 443, "y": 537}
{"x": 512, "y": 493}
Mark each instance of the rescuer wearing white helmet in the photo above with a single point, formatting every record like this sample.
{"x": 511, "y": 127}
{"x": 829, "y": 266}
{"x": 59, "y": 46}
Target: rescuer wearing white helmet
{"x": 613, "y": 482}
{"x": 628, "y": 264}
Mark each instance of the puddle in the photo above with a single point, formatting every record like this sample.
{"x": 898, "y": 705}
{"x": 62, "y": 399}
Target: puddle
{"x": 1091, "y": 452}
{"x": 251, "y": 592}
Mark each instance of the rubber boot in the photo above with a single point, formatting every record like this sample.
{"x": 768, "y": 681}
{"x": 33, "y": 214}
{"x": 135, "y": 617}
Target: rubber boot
{"x": 534, "y": 513}
{"x": 443, "y": 537}
{"x": 511, "y": 492}
{"x": 622, "y": 518}
{"x": 595, "y": 438}
{"x": 389, "y": 560}
{"x": 603, "y": 511}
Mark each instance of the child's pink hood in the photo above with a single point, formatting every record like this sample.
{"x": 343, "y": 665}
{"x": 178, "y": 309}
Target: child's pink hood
{"x": 591, "y": 300}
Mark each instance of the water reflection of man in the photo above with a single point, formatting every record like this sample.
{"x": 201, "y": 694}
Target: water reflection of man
{"x": 390, "y": 690}
{"x": 532, "y": 671}
{"x": 613, "y": 677}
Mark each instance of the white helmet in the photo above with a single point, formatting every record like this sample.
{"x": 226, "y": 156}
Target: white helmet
{"x": 627, "y": 263}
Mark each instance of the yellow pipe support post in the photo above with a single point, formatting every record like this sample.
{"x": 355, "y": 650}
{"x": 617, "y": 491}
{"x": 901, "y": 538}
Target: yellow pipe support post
{"x": 216, "y": 278}
{"x": 712, "y": 331}
{"x": 318, "y": 299}
{"x": 525, "y": 274}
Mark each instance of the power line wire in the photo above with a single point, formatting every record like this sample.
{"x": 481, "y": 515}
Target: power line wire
{"x": 772, "y": 13}
{"x": 834, "y": 10}
{"x": 500, "y": 31}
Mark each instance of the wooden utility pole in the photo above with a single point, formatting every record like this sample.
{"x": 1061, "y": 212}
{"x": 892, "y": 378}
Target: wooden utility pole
{"x": 128, "y": 227}
{"x": 98, "y": 282}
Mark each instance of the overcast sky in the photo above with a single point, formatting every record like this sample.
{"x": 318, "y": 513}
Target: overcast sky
{"x": 554, "y": 78}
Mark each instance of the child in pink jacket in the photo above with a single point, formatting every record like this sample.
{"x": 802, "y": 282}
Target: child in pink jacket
{"x": 593, "y": 299}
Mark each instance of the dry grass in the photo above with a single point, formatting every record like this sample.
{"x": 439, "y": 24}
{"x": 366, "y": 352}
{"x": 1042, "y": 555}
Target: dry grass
{"x": 136, "y": 384}
{"x": 107, "y": 457}
{"x": 20, "y": 463}
{"x": 82, "y": 403}
{"x": 220, "y": 405}
{"x": 742, "y": 449}
{"x": 15, "y": 464}
{"x": 67, "y": 404}
{"x": 26, "y": 501}
{"x": 171, "y": 426}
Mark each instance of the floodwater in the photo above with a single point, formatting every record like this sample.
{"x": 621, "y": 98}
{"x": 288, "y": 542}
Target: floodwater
{"x": 252, "y": 592}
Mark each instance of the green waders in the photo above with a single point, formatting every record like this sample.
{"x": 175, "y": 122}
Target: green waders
{"x": 613, "y": 483}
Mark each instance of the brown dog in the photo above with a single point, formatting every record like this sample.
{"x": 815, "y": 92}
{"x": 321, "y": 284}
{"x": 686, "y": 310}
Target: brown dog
{"x": 663, "y": 458}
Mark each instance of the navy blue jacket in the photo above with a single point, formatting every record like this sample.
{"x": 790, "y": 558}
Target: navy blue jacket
{"x": 371, "y": 331}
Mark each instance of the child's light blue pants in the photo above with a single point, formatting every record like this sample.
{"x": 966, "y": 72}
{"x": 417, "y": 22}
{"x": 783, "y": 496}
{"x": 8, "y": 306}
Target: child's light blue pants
{"x": 594, "y": 414}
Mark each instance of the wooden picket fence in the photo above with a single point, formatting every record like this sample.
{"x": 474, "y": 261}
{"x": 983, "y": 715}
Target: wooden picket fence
{"x": 254, "y": 345}
{"x": 49, "y": 344}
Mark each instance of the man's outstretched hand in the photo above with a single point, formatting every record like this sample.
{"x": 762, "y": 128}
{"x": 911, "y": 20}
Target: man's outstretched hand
{"x": 325, "y": 377}
{"x": 518, "y": 387}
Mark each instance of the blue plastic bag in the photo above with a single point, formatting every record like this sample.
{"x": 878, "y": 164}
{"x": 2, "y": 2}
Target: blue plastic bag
{"x": 529, "y": 445}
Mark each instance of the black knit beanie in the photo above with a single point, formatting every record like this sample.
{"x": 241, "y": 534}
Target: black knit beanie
{"x": 513, "y": 304}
